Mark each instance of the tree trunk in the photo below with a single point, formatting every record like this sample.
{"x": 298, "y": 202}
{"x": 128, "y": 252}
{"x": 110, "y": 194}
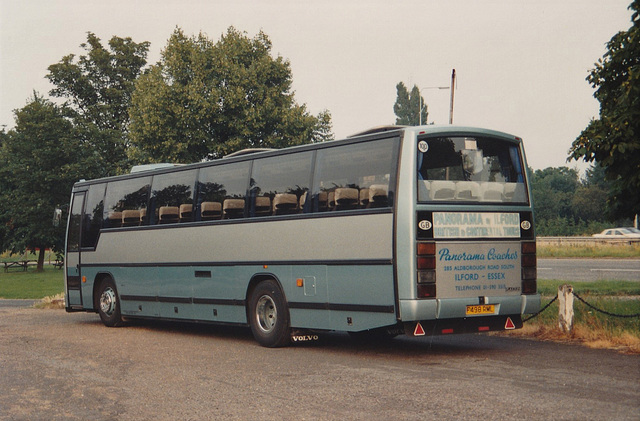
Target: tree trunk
{"x": 41, "y": 260}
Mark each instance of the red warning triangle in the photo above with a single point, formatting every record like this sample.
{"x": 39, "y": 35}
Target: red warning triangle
{"x": 509, "y": 325}
{"x": 418, "y": 331}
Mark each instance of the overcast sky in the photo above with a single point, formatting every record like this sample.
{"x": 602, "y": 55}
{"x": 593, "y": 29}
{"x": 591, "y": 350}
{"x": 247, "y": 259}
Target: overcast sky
{"x": 520, "y": 65}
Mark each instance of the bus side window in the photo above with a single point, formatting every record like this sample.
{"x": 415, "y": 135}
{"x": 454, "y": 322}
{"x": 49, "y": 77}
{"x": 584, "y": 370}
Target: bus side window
{"x": 129, "y": 194}
{"x": 281, "y": 183}
{"x": 357, "y": 176}
{"x": 172, "y": 197}
{"x": 221, "y": 191}
{"x": 93, "y": 214}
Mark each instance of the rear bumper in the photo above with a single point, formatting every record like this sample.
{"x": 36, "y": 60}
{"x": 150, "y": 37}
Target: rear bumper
{"x": 455, "y": 308}
{"x": 462, "y": 325}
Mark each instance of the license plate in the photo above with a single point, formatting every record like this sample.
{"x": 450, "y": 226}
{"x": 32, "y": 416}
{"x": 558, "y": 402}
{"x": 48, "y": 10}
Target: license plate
{"x": 481, "y": 309}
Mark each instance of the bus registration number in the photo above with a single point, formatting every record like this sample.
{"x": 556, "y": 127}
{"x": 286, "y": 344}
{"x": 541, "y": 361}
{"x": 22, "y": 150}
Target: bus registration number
{"x": 481, "y": 309}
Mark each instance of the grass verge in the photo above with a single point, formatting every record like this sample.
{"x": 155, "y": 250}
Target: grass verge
{"x": 590, "y": 327}
{"x": 31, "y": 284}
{"x": 620, "y": 251}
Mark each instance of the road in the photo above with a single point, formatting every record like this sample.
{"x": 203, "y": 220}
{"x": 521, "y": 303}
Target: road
{"x": 17, "y": 303}
{"x": 55, "y": 365}
{"x": 589, "y": 269}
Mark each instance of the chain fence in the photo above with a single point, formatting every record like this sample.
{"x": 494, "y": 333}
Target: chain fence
{"x": 575, "y": 294}
{"x": 604, "y": 311}
{"x": 540, "y": 312}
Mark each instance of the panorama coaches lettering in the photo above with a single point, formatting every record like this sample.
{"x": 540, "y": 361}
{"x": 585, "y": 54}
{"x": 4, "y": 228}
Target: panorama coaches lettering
{"x": 398, "y": 230}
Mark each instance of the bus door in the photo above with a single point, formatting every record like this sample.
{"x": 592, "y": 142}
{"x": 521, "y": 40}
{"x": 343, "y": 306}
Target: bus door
{"x": 73, "y": 277}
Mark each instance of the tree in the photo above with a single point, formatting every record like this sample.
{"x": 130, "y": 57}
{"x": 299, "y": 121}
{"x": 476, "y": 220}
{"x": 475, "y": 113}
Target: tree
{"x": 409, "y": 106}
{"x": 98, "y": 88}
{"x": 204, "y": 100}
{"x": 613, "y": 140}
{"x": 553, "y": 190}
{"x": 40, "y": 159}
{"x": 4, "y": 187}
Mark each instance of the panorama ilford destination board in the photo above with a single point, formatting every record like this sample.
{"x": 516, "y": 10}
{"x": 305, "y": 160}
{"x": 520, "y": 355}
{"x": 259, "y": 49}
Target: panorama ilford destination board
{"x": 470, "y": 268}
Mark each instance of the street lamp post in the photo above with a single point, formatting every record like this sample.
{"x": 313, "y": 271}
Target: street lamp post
{"x": 452, "y": 88}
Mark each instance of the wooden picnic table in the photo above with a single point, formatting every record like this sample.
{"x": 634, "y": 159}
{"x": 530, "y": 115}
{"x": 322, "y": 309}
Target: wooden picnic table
{"x": 21, "y": 264}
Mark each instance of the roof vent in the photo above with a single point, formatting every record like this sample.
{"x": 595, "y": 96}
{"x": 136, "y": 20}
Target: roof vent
{"x": 151, "y": 167}
{"x": 248, "y": 152}
{"x": 378, "y": 129}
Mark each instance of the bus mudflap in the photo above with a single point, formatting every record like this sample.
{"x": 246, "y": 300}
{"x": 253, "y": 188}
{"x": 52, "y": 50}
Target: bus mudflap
{"x": 462, "y": 325}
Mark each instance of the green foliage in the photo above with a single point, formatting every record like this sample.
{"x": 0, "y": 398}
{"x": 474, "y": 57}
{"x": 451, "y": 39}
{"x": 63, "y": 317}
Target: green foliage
{"x": 204, "y": 100}
{"x": 566, "y": 205}
{"x": 40, "y": 159}
{"x": 566, "y": 227}
{"x": 409, "y": 107}
{"x": 553, "y": 190}
{"x": 97, "y": 88}
{"x": 613, "y": 139}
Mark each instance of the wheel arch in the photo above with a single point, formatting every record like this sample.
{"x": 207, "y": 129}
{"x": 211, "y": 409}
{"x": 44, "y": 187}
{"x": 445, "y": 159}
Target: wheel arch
{"x": 100, "y": 277}
{"x": 253, "y": 283}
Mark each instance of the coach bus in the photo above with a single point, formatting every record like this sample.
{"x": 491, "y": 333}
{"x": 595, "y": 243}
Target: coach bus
{"x": 398, "y": 230}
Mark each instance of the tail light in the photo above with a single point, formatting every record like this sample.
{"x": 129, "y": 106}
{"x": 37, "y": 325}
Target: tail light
{"x": 426, "y": 275}
{"x": 529, "y": 268}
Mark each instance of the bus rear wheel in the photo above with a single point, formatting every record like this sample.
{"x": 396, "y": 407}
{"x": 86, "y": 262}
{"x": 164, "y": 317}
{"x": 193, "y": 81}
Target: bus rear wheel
{"x": 109, "y": 304}
{"x": 269, "y": 315}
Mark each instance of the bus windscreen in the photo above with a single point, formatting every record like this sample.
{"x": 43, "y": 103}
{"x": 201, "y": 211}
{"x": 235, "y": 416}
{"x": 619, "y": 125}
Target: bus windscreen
{"x": 470, "y": 169}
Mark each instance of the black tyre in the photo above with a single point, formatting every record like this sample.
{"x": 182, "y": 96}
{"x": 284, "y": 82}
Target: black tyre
{"x": 269, "y": 315}
{"x": 109, "y": 304}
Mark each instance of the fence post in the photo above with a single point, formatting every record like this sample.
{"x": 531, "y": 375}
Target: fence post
{"x": 565, "y": 308}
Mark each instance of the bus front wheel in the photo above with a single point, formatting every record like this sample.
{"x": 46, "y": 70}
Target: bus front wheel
{"x": 269, "y": 315}
{"x": 109, "y": 304}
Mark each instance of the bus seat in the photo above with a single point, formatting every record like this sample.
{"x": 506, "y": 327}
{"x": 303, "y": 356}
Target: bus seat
{"x": 186, "y": 210}
{"x": 424, "y": 189}
{"x": 514, "y": 192}
{"x": 233, "y": 208}
{"x": 143, "y": 214}
{"x": 346, "y": 198}
{"x": 115, "y": 219}
{"x": 263, "y": 206}
{"x": 509, "y": 190}
{"x": 285, "y": 203}
{"x": 169, "y": 214}
{"x": 492, "y": 192}
{"x": 378, "y": 195}
{"x": 331, "y": 200}
{"x": 323, "y": 201}
{"x": 443, "y": 190}
{"x": 130, "y": 218}
{"x": 210, "y": 211}
{"x": 303, "y": 202}
{"x": 364, "y": 198}
{"x": 467, "y": 190}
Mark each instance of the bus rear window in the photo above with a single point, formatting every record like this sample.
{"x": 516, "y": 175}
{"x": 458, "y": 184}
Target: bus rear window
{"x": 470, "y": 169}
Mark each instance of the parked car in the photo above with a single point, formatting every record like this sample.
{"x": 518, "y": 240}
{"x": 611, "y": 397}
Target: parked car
{"x": 619, "y": 233}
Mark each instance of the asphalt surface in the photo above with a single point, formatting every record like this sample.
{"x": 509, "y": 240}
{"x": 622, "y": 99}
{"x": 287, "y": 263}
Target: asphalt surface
{"x": 17, "y": 303}
{"x": 56, "y": 365}
{"x": 589, "y": 269}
